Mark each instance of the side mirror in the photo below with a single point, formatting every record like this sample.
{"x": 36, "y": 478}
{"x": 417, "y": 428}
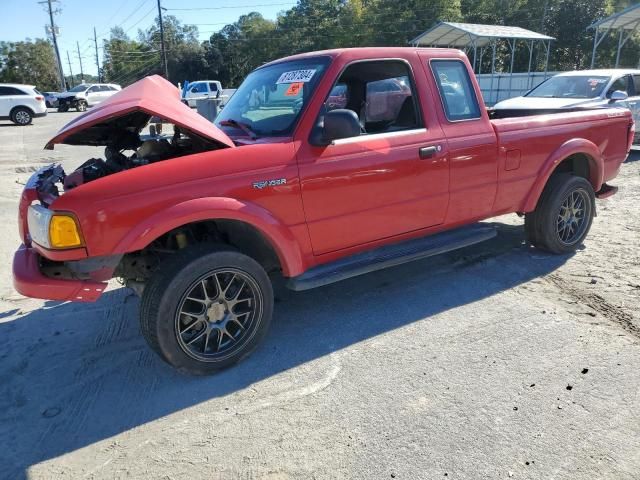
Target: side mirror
{"x": 618, "y": 96}
{"x": 340, "y": 123}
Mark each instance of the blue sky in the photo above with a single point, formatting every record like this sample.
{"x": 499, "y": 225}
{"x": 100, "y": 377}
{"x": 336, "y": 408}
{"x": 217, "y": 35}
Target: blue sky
{"x": 22, "y": 19}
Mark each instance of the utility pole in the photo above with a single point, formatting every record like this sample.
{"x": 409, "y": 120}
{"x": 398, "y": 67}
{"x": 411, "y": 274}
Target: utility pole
{"x": 55, "y": 43}
{"x": 164, "y": 52}
{"x": 71, "y": 71}
{"x": 80, "y": 60}
{"x": 95, "y": 41}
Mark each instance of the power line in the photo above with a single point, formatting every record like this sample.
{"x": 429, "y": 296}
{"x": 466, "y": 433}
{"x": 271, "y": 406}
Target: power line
{"x": 164, "y": 52}
{"x": 134, "y": 73}
{"x": 80, "y": 60}
{"x": 229, "y": 7}
{"x": 55, "y": 43}
{"x": 135, "y": 10}
{"x": 141, "y": 19}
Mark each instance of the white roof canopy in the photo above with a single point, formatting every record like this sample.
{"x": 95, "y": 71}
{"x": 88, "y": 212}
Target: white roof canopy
{"x": 459, "y": 35}
{"x": 627, "y": 19}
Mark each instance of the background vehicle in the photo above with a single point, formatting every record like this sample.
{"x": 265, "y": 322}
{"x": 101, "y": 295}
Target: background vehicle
{"x": 202, "y": 89}
{"x": 578, "y": 89}
{"x": 21, "y": 103}
{"x": 285, "y": 185}
{"x": 86, "y": 95}
{"x": 51, "y": 99}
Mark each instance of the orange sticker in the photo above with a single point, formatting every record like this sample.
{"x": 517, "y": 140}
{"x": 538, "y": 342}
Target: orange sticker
{"x": 294, "y": 89}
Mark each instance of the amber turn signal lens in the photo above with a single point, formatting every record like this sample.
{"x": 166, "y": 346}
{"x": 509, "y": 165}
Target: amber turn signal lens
{"x": 63, "y": 232}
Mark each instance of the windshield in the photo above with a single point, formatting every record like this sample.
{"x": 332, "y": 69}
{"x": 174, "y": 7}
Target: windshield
{"x": 271, "y": 98}
{"x": 574, "y": 86}
{"x": 79, "y": 88}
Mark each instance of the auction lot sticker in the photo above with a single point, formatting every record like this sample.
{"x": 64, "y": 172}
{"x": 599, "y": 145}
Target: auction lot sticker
{"x": 296, "y": 76}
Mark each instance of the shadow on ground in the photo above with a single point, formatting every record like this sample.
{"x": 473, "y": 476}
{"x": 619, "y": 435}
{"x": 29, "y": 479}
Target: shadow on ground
{"x": 634, "y": 155}
{"x": 74, "y": 374}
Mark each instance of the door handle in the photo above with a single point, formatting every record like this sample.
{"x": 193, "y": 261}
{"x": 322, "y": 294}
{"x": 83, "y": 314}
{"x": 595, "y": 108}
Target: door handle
{"x": 428, "y": 152}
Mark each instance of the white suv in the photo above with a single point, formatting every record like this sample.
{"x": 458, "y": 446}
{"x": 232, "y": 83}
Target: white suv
{"x": 86, "y": 95}
{"x": 21, "y": 103}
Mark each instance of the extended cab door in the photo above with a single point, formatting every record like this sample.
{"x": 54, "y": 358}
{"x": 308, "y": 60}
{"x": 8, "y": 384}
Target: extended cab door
{"x": 473, "y": 149}
{"x": 391, "y": 179}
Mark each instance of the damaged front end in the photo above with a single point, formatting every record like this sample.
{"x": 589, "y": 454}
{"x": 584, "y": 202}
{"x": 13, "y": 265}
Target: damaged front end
{"x": 54, "y": 261}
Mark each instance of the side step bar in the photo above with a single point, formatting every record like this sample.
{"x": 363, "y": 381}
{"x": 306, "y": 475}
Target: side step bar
{"x": 391, "y": 255}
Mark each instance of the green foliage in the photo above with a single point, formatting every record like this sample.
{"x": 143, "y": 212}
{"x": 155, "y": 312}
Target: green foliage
{"x": 29, "y": 62}
{"x": 126, "y": 60}
{"x": 232, "y": 52}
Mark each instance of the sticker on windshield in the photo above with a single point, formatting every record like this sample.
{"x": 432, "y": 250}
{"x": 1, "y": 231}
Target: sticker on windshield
{"x": 595, "y": 81}
{"x": 294, "y": 89}
{"x": 302, "y": 76}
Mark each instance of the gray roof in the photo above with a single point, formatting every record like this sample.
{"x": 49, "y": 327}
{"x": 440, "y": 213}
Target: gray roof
{"x": 465, "y": 34}
{"x": 628, "y": 19}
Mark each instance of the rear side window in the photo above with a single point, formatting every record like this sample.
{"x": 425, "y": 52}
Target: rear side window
{"x": 456, "y": 90}
{"x": 11, "y": 91}
{"x": 213, "y": 87}
{"x": 636, "y": 84}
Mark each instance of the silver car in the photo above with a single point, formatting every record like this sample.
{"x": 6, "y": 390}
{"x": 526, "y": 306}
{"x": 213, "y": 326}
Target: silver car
{"x": 577, "y": 90}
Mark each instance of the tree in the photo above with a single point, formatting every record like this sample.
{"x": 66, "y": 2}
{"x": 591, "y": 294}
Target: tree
{"x": 185, "y": 55}
{"x": 30, "y": 62}
{"x": 126, "y": 60}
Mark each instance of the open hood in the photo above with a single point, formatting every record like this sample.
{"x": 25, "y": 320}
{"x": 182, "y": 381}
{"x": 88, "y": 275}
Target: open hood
{"x": 134, "y": 106}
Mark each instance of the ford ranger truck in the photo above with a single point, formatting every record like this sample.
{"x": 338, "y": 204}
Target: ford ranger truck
{"x": 322, "y": 166}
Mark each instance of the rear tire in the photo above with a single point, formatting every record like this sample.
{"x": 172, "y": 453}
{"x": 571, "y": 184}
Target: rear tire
{"x": 563, "y": 216}
{"x": 206, "y": 308}
{"x": 21, "y": 116}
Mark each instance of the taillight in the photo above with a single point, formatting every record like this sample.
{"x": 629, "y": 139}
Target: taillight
{"x": 39, "y": 98}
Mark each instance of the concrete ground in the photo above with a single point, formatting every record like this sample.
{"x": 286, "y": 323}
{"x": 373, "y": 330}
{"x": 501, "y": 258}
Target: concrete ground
{"x": 497, "y": 361}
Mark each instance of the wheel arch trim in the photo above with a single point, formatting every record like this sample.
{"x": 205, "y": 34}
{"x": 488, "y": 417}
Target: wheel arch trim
{"x": 575, "y": 146}
{"x": 277, "y": 234}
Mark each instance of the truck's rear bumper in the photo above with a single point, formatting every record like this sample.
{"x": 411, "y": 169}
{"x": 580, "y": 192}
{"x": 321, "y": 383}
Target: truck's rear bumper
{"x": 28, "y": 280}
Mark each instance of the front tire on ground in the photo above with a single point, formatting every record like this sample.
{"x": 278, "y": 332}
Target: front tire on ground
{"x": 563, "y": 216}
{"x": 206, "y": 308}
{"x": 81, "y": 106}
{"x": 21, "y": 116}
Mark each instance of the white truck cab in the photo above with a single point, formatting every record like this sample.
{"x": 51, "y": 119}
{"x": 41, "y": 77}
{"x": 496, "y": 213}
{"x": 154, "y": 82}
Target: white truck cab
{"x": 202, "y": 89}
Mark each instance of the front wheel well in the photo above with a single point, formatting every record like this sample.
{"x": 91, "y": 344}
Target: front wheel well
{"x": 139, "y": 265}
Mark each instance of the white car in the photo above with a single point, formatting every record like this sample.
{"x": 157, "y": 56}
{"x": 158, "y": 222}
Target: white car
{"x": 200, "y": 90}
{"x": 577, "y": 90}
{"x": 86, "y": 95}
{"x": 21, "y": 103}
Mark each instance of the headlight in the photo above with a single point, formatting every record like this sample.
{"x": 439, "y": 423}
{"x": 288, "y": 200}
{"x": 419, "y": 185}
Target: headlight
{"x": 53, "y": 230}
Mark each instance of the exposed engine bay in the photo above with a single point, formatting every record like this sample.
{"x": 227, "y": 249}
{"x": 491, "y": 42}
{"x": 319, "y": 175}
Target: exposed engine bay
{"x": 125, "y": 149}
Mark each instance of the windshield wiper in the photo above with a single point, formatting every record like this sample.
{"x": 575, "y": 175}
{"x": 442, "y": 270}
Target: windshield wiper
{"x": 240, "y": 125}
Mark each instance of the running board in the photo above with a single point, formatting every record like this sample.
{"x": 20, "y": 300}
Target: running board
{"x": 391, "y": 255}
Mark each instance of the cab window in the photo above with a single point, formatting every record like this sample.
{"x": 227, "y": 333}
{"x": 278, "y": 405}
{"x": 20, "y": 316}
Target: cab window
{"x": 381, "y": 93}
{"x": 456, "y": 90}
{"x": 198, "y": 88}
{"x": 621, "y": 84}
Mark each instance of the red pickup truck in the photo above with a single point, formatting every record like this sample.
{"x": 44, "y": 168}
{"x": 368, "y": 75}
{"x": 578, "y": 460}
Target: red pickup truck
{"x": 286, "y": 182}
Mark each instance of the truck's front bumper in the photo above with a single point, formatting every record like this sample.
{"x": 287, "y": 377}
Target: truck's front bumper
{"x": 29, "y": 281}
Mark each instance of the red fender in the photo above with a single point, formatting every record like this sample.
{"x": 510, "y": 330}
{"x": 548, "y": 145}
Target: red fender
{"x": 570, "y": 147}
{"x": 212, "y": 208}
